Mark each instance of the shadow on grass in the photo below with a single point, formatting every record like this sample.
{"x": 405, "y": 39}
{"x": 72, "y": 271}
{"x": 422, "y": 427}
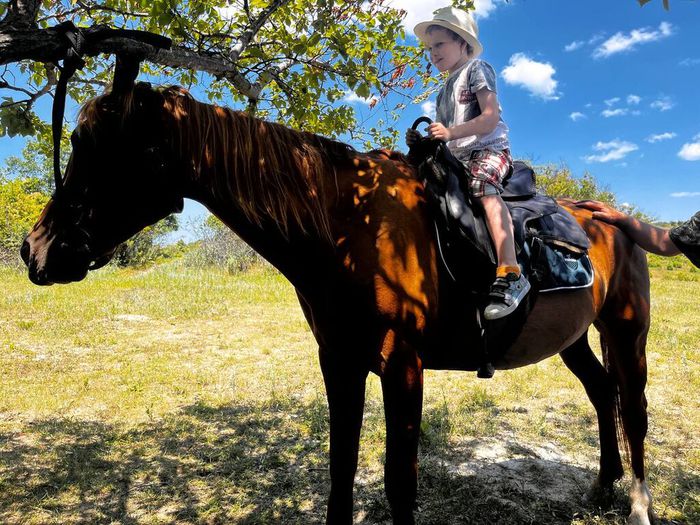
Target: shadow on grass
{"x": 242, "y": 464}
{"x": 262, "y": 464}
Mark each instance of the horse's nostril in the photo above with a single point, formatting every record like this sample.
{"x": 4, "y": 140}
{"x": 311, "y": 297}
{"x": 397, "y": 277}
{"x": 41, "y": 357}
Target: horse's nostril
{"x": 24, "y": 252}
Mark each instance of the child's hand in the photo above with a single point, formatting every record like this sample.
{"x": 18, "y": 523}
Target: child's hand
{"x": 412, "y": 137}
{"x": 438, "y": 131}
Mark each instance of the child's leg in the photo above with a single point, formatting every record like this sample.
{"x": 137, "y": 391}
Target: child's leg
{"x": 487, "y": 169}
{"x": 500, "y": 227}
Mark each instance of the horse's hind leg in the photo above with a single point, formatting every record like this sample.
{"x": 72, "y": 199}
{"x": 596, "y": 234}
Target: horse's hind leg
{"x": 601, "y": 390}
{"x": 624, "y": 331}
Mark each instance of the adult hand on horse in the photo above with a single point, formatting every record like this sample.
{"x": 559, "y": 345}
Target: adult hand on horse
{"x": 603, "y": 212}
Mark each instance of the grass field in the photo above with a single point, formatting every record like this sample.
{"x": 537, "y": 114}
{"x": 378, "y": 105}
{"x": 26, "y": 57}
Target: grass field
{"x": 173, "y": 395}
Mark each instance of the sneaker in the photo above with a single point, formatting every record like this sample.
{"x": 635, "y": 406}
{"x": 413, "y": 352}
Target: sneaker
{"x": 506, "y": 294}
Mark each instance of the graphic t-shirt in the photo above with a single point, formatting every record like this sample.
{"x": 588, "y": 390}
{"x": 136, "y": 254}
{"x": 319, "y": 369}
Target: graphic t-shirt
{"x": 457, "y": 103}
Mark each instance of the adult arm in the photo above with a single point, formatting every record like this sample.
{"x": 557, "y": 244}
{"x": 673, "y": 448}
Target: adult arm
{"x": 651, "y": 238}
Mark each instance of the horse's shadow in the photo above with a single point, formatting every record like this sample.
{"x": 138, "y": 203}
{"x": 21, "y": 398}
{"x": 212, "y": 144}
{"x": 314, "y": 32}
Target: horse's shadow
{"x": 260, "y": 464}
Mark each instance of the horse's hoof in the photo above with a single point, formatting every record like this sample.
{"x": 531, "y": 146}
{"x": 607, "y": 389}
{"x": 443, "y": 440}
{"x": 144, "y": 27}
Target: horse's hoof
{"x": 641, "y": 503}
{"x": 600, "y": 495}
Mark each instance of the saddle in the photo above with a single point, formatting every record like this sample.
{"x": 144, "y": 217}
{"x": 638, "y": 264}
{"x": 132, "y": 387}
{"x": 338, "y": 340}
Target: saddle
{"x": 550, "y": 245}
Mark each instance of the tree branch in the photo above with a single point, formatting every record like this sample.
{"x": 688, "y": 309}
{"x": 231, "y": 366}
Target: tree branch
{"x": 21, "y": 14}
{"x": 255, "y": 26}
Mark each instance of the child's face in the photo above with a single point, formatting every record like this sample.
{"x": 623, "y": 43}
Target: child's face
{"x": 446, "y": 54}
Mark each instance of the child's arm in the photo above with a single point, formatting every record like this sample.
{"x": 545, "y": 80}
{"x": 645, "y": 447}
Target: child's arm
{"x": 481, "y": 125}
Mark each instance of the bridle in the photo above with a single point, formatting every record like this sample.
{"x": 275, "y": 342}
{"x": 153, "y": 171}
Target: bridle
{"x": 75, "y": 210}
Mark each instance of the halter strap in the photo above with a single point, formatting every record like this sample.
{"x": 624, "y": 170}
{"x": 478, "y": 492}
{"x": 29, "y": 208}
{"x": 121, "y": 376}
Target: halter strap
{"x": 71, "y": 64}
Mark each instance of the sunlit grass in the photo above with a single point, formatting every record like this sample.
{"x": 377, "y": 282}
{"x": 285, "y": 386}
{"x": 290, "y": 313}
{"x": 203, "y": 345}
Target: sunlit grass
{"x": 174, "y": 395}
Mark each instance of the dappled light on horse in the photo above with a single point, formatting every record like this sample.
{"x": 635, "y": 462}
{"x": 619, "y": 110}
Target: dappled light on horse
{"x": 351, "y": 232}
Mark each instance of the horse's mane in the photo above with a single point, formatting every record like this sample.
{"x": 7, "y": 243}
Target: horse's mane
{"x": 269, "y": 170}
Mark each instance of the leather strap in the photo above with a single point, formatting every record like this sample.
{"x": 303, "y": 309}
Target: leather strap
{"x": 71, "y": 63}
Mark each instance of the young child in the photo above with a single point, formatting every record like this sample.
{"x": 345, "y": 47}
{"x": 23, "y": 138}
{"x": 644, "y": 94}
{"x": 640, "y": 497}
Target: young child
{"x": 684, "y": 238}
{"x": 469, "y": 121}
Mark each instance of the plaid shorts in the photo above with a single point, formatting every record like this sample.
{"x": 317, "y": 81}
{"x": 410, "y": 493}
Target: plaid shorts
{"x": 486, "y": 168}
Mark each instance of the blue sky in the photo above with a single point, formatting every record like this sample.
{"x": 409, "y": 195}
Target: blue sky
{"x": 607, "y": 87}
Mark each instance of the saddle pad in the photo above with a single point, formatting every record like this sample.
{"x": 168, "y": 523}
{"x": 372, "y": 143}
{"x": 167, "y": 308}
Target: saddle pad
{"x": 561, "y": 269}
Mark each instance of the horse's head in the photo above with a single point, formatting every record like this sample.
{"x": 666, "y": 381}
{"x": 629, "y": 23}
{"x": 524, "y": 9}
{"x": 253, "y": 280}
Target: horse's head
{"x": 121, "y": 177}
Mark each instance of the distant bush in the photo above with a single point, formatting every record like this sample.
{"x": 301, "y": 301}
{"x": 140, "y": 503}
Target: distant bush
{"x": 145, "y": 247}
{"x": 20, "y": 206}
{"x": 218, "y": 246}
{"x": 559, "y": 182}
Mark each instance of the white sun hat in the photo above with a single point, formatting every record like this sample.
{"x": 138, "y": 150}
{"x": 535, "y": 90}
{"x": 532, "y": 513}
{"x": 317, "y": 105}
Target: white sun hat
{"x": 455, "y": 20}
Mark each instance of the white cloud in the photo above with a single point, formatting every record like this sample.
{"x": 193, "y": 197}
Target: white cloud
{"x": 576, "y": 115}
{"x": 607, "y": 113}
{"x": 687, "y": 62}
{"x": 613, "y": 150}
{"x": 691, "y": 150}
{"x": 633, "y": 100}
{"x": 659, "y": 137}
{"x": 662, "y": 104}
{"x": 573, "y": 46}
{"x": 428, "y": 107}
{"x": 535, "y": 77}
{"x": 686, "y": 194}
{"x": 621, "y": 42}
{"x": 352, "y": 98}
{"x": 612, "y": 101}
{"x": 420, "y": 10}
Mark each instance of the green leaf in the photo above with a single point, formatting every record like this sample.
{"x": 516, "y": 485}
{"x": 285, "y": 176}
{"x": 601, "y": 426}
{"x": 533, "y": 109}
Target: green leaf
{"x": 362, "y": 91}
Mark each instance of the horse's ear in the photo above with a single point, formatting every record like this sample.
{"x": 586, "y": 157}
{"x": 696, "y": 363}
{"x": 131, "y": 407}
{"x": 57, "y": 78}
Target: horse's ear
{"x": 125, "y": 72}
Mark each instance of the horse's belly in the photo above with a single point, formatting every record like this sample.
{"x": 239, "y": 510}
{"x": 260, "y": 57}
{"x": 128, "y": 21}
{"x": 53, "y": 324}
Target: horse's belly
{"x": 556, "y": 321}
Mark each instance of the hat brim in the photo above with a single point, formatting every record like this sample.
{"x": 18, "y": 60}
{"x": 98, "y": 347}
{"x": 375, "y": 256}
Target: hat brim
{"x": 421, "y": 32}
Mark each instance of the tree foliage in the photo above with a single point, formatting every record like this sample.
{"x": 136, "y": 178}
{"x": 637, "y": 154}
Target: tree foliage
{"x": 292, "y": 61}
{"x": 20, "y": 205}
{"x": 559, "y": 182}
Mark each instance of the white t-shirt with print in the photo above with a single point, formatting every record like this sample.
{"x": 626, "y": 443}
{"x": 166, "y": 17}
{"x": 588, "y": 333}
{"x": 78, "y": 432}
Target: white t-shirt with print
{"x": 457, "y": 103}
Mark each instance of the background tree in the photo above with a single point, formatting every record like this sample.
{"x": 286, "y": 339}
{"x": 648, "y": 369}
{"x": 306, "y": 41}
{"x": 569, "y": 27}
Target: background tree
{"x": 287, "y": 60}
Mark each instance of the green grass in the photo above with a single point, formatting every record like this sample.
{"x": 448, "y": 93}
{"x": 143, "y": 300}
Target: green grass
{"x": 174, "y": 395}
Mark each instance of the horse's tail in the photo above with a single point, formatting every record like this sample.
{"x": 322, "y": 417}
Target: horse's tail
{"x": 617, "y": 403}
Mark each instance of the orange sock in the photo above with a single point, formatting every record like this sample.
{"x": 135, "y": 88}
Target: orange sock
{"x": 502, "y": 271}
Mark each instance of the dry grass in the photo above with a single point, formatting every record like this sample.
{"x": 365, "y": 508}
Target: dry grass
{"x": 185, "y": 396}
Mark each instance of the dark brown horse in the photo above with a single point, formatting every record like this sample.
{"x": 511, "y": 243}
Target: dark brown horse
{"x": 351, "y": 233}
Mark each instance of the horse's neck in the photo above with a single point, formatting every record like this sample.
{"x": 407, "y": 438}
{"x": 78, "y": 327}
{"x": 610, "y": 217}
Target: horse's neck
{"x": 294, "y": 253}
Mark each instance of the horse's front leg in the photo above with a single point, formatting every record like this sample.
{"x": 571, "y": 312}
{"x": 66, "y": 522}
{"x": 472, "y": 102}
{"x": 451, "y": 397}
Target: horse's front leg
{"x": 345, "y": 389}
{"x": 402, "y": 385}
